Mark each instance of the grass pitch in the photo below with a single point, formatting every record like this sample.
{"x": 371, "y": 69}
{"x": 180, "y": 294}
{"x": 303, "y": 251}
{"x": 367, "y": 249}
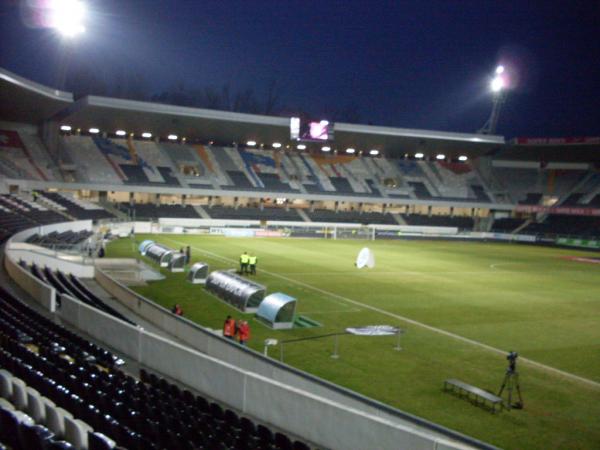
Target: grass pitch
{"x": 457, "y": 301}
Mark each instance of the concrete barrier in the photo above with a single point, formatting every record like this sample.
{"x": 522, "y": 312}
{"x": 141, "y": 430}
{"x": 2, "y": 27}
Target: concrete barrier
{"x": 216, "y": 378}
{"x": 115, "y": 333}
{"x": 44, "y": 294}
{"x": 326, "y": 422}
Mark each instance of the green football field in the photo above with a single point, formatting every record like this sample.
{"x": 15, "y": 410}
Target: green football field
{"x": 458, "y": 302}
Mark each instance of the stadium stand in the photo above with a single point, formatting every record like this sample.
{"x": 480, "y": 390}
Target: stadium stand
{"x": 506, "y": 225}
{"x": 326, "y": 215}
{"x": 531, "y": 199}
{"x": 463, "y": 223}
{"x": 595, "y": 201}
{"x": 240, "y": 181}
{"x": 76, "y": 208}
{"x": 420, "y": 190}
{"x": 572, "y": 199}
{"x": 253, "y": 213}
{"x": 28, "y": 211}
{"x": 152, "y": 211}
{"x": 69, "y": 389}
{"x": 92, "y": 166}
{"x": 555, "y": 224}
{"x": 480, "y": 194}
{"x": 65, "y": 238}
{"x": 18, "y": 161}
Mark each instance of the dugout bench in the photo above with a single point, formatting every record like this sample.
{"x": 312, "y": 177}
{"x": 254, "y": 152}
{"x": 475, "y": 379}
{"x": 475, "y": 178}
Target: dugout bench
{"x": 474, "y": 394}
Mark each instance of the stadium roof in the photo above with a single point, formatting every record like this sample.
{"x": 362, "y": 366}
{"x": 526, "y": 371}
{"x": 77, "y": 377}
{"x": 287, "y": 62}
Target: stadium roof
{"x": 26, "y": 101}
{"x": 579, "y": 149}
{"x": 29, "y": 102}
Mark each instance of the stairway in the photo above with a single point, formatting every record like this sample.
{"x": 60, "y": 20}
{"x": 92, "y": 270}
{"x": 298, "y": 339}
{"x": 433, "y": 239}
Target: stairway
{"x": 303, "y": 214}
{"x": 521, "y": 227}
{"x": 398, "y": 218}
{"x": 51, "y": 206}
{"x": 201, "y": 212}
{"x": 114, "y": 211}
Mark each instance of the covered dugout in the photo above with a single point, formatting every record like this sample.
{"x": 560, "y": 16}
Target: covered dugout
{"x": 277, "y": 310}
{"x": 198, "y": 273}
{"x": 144, "y": 246}
{"x": 160, "y": 254}
{"x": 177, "y": 262}
{"x": 239, "y": 292}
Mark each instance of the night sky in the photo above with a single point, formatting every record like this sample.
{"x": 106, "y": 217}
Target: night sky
{"x": 412, "y": 64}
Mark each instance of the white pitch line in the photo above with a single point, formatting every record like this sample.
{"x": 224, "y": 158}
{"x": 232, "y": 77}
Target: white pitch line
{"x": 336, "y": 311}
{"x": 411, "y": 321}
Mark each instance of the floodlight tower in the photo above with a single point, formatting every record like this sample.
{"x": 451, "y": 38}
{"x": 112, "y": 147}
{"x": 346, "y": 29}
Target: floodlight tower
{"x": 498, "y": 87}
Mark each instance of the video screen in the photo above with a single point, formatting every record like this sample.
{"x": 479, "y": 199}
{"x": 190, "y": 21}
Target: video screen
{"x": 311, "y": 130}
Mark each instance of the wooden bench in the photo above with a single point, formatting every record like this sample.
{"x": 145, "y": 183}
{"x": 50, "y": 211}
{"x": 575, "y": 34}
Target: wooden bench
{"x": 474, "y": 394}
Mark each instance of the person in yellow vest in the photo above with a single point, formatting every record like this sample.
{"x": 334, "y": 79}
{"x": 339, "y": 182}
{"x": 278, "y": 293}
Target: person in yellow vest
{"x": 252, "y": 259}
{"x": 244, "y": 260}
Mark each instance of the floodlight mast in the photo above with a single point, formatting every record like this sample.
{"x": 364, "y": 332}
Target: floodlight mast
{"x": 499, "y": 92}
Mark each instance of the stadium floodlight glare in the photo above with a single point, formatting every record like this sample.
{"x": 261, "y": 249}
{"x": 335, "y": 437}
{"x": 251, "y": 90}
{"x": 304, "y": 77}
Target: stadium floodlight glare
{"x": 301, "y": 147}
{"x": 326, "y": 148}
{"x": 499, "y": 70}
{"x": 67, "y": 16}
{"x": 94, "y": 130}
{"x": 497, "y": 84}
{"x": 419, "y": 155}
{"x": 146, "y": 135}
{"x": 374, "y": 152}
{"x": 251, "y": 143}
{"x": 440, "y": 156}
{"x": 276, "y": 144}
{"x": 120, "y": 132}
{"x": 462, "y": 158}
{"x": 172, "y": 137}
{"x": 65, "y": 128}
{"x": 350, "y": 150}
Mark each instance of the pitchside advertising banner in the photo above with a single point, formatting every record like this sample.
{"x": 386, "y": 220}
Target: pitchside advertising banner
{"x": 248, "y": 232}
{"x": 583, "y": 243}
{"x": 559, "y": 210}
{"x": 575, "y": 140}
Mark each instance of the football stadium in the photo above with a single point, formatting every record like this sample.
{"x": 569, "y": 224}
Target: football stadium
{"x": 176, "y": 277}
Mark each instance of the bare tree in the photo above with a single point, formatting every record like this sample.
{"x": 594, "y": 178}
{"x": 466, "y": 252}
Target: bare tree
{"x": 272, "y": 97}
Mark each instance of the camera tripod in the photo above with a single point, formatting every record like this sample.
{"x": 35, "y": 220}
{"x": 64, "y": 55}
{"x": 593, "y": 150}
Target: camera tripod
{"x": 511, "y": 381}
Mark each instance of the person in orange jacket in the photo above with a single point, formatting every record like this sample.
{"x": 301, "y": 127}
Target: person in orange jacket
{"x": 243, "y": 332}
{"x": 229, "y": 328}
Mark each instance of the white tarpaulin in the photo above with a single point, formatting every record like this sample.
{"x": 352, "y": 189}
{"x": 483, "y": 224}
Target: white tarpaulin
{"x": 365, "y": 258}
{"x": 374, "y": 330}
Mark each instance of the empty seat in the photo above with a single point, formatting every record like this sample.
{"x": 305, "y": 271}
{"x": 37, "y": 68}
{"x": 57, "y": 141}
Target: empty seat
{"x": 6, "y": 404}
{"x": 298, "y": 445}
{"x": 19, "y": 394}
{"x": 76, "y": 432}
{"x": 9, "y": 426}
{"x": 59, "y": 445}
{"x": 35, "y": 405}
{"x": 55, "y": 419}
{"x": 98, "y": 441}
{"x": 33, "y": 436}
{"x": 6, "y": 389}
{"x": 283, "y": 442}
